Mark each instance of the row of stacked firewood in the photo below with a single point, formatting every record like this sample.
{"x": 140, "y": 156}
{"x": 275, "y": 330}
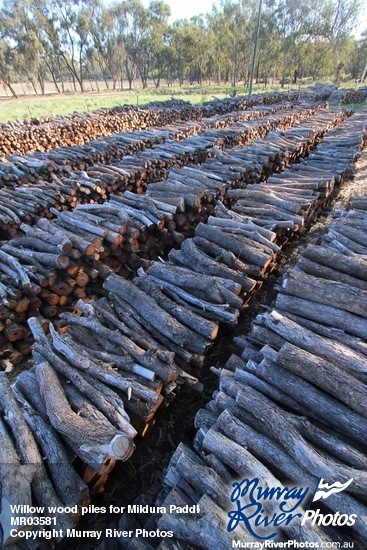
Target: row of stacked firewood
{"x": 58, "y": 262}
{"x": 31, "y": 168}
{"x": 29, "y": 202}
{"x": 343, "y": 96}
{"x": 78, "y": 128}
{"x": 103, "y": 373}
{"x": 291, "y": 409}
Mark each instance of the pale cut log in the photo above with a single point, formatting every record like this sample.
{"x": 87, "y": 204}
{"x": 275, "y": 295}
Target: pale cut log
{"x": 113, "y": 411}
{"x": 201, "y": 477}
{"x": 189, "y": 281}
{"x": 155, "y": 338}
{"x": 106, "y": 374}
{"x": 121, "y": 361}
{"x": 324, "y": 272}
{"x": 103, "y": 307}
{"x": 226, "y": 257}
{"x": 118, "y": 340}
{"x": 336, "y": 334}
{"x": 202, "y": 263}
{"x": 326, "y": 375}
{"x": 29, "y": 453}
{"x": 277, "y": 425}
{"x": 70, "y": 488}
{"x": 26, "y": 383}
{"x": 338, "y": 354}
{"x": 355, "y": 267}
{"x": 87, "y": 437}
{"x": 218, "y": 312}
{"x": 339, "y": 295}
{"x": 250, "y": 379}
{"x": 236, "y": 246}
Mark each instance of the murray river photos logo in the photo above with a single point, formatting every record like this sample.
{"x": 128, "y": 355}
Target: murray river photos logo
{"x": 261, "y": 510}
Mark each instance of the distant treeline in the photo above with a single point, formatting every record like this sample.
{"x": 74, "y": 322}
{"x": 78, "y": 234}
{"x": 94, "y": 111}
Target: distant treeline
{"x": 63, "y": 40}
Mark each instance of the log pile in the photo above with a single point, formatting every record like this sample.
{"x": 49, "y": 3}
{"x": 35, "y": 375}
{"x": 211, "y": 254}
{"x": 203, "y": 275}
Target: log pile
{"x": 26, "y": 169}
{"x": 291, "y": 404}
{"x": 69, "y": 257}
{"x": 76, "y": 129}
{"x": 26, "y": 477}
{"x": 142, "y": 338}
{"x": 133, "y": 172}
{"x": 347, "y": 96}
{"x": 295, "y": 196}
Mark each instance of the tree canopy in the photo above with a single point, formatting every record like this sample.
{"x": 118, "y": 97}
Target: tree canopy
{"x": 75, "y": 40}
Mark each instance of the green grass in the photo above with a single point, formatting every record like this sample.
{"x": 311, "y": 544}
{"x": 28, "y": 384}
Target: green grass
{"x": 37, "y": 106}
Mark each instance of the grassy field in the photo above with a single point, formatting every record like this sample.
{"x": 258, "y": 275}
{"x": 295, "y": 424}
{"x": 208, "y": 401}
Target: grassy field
{"x": 36, "y": 106}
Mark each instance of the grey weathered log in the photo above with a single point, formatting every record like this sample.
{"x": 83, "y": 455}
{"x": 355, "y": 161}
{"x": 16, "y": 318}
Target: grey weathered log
{"x": 267, "y": 449}
{"x": 217, "y": 312}
{"x": 276, "y": 422}
{"x": 152, "y": 312}
{"x": 339, "y": 295}
{"x": 70, "y": 488}
{"x": 202, "y": 263}
{"x": 132, "y": 318}
{"x": 345, "y": 264}
{"x": 236, "y": 246}
{"x": 88, "y": 438}
{"x": 208, "y": 329}
{"x": 332, "y": 333}
{"x": 15, "y": 483}
{"x": 329, "y": 273}
{"x": 227, "y": 257}
{"x": 29, "y": 453}
{"x": 338, "y": 354}
{"x": 245, "y": 464}
{"x": 318, "y": 405}
{"x": 322, "y": 313}
{"x": 118, "y": 340}
{"x": 326, "y": 375}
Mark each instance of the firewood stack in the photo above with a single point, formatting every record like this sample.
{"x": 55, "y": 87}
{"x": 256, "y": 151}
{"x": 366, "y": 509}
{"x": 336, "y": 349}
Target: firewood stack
{"x": 291, "y": 405}
{"x": 69, "y": 257}
{"x": 201, "y": 186}
{"x": 52, "y": 132}
{"x": 294, "y": 197}
{"x": 136, "y": 171}
{"x": 345, "y": 96}
{"x": 27, "y": 477}
{"x": 133, "y": 172}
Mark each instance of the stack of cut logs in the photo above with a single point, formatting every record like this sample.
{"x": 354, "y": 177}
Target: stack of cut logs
{"x": 130, "y": 172}
{"x": 132, "y": 347}
{"x": 295, "y": 196}
{"x": 67, "y": 258}
{"x": 28, "y": 168}
{"x": 346, "y": 96}
{"x": 78, "y": 128}
{"x": 291, "y": 405}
